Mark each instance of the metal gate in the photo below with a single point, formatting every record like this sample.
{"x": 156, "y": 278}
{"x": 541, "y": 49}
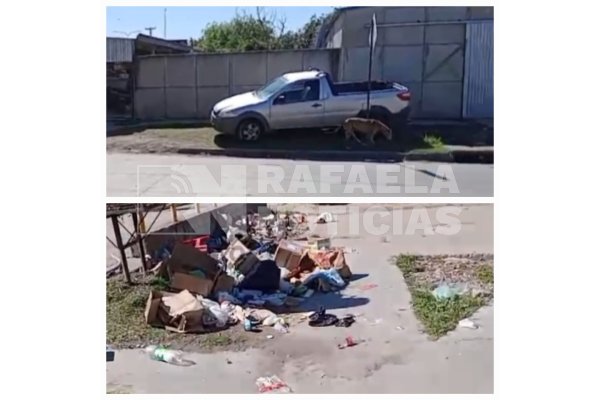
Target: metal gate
{"x": 478, "y": 90}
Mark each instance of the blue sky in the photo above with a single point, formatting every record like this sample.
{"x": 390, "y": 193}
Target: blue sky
{"x": 186, "y": 22}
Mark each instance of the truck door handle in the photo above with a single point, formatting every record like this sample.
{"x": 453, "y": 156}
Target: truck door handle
{"x": 315, "y": 105}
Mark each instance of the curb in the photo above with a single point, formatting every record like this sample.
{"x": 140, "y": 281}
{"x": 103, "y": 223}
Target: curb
{"x": 453, "y": 156}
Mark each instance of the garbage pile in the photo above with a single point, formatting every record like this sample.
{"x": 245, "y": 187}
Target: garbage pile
{"x": 244, "y": 276}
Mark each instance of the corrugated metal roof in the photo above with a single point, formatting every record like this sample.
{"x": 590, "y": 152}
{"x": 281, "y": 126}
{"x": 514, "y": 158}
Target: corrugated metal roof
{"x": 119, "y": 49}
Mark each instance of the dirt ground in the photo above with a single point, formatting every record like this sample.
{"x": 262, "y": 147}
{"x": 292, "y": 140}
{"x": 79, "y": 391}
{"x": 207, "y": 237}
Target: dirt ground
{"x": 170, "y": 140}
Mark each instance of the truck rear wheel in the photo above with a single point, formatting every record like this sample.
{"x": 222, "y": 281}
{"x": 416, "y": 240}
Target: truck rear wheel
{"x": 250, "y": 130}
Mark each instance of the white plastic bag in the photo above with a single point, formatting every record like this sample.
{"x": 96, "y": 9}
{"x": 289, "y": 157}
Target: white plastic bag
{"x": 221, "y": 315}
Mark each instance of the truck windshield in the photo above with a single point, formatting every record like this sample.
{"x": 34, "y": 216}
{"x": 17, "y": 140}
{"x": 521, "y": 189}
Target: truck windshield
{"x": 272, "y": 87}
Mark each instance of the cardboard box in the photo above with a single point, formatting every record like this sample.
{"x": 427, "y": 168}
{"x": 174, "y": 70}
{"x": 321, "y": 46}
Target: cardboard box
{"x": 181, "y": 266}
{"x": 194, "y": 284}
{"x": 183, "y": 314}
{"x": 155, "y": 314}
{"x": 289, "y": 254}
{"x": 190, "y": 322}
{"x": 224, "y": 283}
{"x": 181, "y": 303}
{"x": 333, "y": 258}
{"x": 186, "y": 258}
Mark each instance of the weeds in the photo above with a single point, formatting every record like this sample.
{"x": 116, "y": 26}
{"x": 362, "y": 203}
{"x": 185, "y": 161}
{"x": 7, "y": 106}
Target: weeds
{"x": 485, "y": 273}
{"x": 434, "y": 141}
{"x": 439, "y": 316}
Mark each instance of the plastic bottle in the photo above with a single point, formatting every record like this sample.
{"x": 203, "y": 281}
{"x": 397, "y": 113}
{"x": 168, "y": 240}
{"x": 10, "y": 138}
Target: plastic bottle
{"x": 160, "y": 353}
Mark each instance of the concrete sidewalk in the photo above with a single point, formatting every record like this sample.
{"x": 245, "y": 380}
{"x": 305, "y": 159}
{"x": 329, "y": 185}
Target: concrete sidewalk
{"x": 396, "y": 357}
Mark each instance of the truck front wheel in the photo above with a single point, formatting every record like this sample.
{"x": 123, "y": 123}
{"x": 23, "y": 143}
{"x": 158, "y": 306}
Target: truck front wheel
{"x": 250, "y": 130}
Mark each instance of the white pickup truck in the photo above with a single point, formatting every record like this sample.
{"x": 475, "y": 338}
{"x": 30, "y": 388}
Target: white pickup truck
{"x": 308, "y": 99}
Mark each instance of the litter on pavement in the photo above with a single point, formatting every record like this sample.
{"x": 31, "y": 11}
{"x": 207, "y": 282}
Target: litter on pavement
{"x": 247, "y": 275}
{"x": 349, "y": 342}
{"x": 168, "y": 356}
{"x": 272, "y": 384}
{"x": 467, "y": 323}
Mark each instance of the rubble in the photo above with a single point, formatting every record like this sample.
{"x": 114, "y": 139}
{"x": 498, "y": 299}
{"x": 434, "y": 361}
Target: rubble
{"x": 261, "y": 265}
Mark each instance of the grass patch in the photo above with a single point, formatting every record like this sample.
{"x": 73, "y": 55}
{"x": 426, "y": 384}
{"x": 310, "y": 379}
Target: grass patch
{"x": 126, "y": 326}
{"x": 434, "y": 141}
{"x": 159, "y": 283}
{"x": 441, "y": 316}
{"x": 217, "y": 340}
{"x": 421, "y": 275}
{"x": 485, "y": 273}
{"x": 406, "y": 263}
{"x": 125, "y": 313}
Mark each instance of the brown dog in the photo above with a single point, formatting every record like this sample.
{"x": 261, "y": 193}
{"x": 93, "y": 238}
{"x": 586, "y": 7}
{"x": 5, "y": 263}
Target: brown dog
{"x": 368, "y": 127}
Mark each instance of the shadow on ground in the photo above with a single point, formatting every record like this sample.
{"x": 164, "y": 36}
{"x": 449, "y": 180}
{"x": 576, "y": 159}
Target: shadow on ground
{"x": 331, "y": 301}
{"x": 413, "y": 140}
{"x": 405, "y": 139}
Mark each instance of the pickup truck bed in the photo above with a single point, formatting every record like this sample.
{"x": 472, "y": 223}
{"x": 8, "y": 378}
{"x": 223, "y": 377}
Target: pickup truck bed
{"x": 357, "y": 87}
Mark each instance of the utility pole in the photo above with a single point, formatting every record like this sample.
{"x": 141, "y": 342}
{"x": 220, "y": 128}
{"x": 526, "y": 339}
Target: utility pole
{"x": 165, "y": 26}
{"x": 150, "y": 29}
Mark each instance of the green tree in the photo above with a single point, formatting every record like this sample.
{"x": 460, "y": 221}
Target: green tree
{"x": 304, "y": 37}
{"x": 262, "y": 31}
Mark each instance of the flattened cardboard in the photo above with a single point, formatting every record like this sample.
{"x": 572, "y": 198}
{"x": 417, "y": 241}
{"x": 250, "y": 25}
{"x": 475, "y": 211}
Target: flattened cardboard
{"x": 183, "y": 281}
{"x": 181, "y": 303}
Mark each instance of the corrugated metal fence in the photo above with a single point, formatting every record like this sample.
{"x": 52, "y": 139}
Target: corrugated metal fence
{"x": 478, "y": 93}
{"x": 119, "y": 50}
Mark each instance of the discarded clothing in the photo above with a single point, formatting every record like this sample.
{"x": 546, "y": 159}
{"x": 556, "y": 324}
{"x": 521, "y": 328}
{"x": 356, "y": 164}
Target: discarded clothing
{"x": 346, "y": 322}
{"x": 330, "y": 277}
{"x": 321, "y": 318}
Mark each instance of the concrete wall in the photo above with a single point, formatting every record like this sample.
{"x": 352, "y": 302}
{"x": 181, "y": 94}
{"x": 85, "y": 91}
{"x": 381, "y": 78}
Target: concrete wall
{"x": 188, "y": 86}
{"x": 428, "y": 58}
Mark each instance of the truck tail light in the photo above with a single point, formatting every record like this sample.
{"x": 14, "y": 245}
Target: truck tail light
{"x": 404, "y": 96}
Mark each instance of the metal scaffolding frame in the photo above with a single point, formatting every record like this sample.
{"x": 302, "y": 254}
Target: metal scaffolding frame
{"x": 138, "y": 213}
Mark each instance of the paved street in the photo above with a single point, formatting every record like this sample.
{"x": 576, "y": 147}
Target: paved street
{"x": 396, "y": 357}
{"x": 181, "y": 175}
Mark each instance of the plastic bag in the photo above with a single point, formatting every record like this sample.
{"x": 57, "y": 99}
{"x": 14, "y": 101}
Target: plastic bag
{"x": 445, "y": 291}
{"x": 280, "y": 326}
{"x": 221, "y": 315}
